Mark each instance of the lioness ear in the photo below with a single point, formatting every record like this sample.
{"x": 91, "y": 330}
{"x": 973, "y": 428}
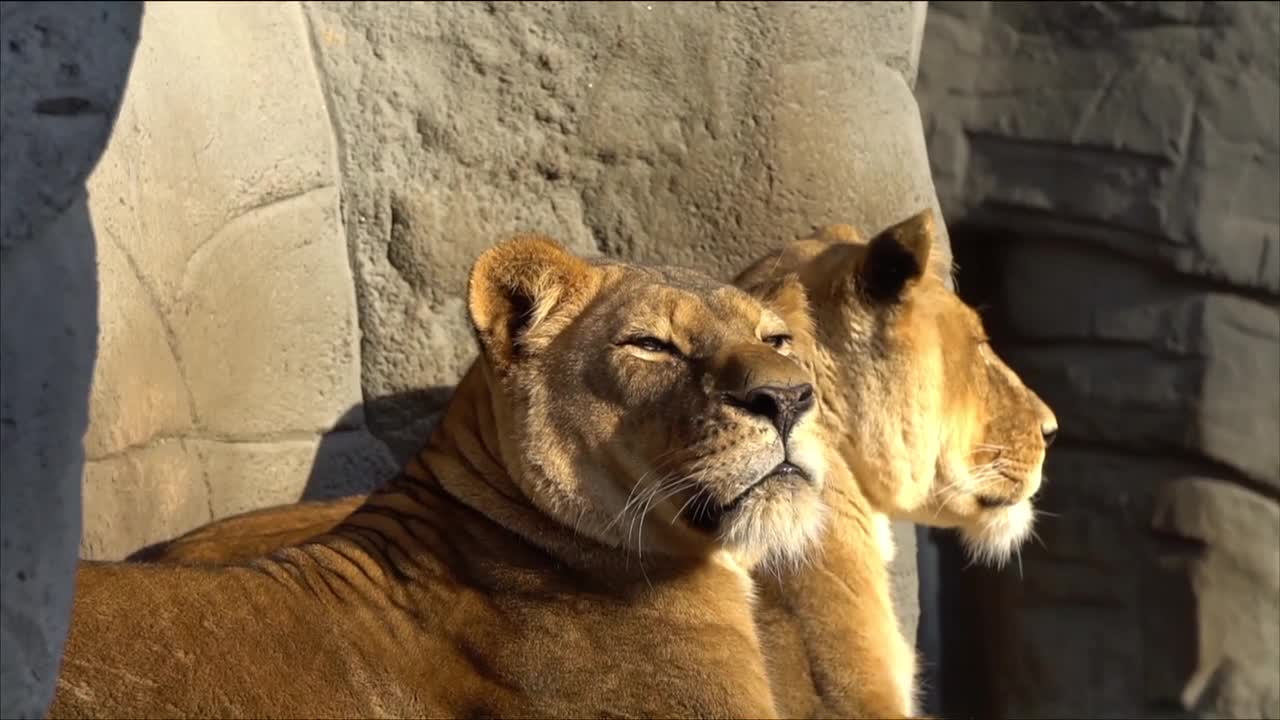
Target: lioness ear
{"x": 514, "y": 287}
{"x": 896, "y": 258}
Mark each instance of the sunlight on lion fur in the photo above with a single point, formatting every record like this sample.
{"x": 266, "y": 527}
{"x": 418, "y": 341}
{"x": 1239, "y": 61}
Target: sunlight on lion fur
{"x": 937, "y": 428}
{"x": 912, "y": 399}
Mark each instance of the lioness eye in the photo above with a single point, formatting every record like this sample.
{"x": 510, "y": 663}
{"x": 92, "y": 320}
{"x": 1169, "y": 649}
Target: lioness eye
{"x": 778, "y": 341}
{"x": 653, "y": 345}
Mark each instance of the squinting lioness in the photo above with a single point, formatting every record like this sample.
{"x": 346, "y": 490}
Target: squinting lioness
{"x": 614, "y": 410}
{"x": 942, "y": 431}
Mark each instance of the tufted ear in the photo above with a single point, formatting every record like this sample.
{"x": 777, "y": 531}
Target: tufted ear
{"x": 896, "y": 258}
{"x": 513, "y": 290}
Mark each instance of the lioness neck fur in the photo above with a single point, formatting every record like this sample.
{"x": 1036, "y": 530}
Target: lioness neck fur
{"x": 499, "y": 574}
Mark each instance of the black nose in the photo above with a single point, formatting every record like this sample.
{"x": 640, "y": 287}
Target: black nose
{"x": 1050, "y": 433}
{"x": 781, "y": 405}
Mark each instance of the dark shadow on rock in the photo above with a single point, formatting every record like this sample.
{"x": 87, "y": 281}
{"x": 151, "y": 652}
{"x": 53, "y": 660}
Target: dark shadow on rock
{"x": 63, "y": 70}
{"x": 359, "y": 455}
{"x": 352, "y": 460}
{"x": 971, "y": 631}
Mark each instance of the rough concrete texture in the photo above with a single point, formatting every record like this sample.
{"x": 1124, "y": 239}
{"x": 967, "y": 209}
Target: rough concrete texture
{"x": 1158, "y": 119}
{"x": 681, "y": 132}
{"x": 694, "y": 133}
{"x": 1116, "y": 167}
{"x": 229, "y": 336}
{"x": 63, "y": 67}
{"x": 1154, "y": 594}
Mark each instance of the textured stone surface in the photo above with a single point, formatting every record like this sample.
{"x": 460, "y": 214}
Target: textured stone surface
{"x": 63, "y": 67}
{"x": 1143, "y": 360}
{"x": 1236, "y": 584}
{"x": 1114, "y": 168}
{"x": 229, "y": 337}
{"x": 141, "y": 496}
{"x": 247, "y": 476}
{"x": 1159, "y": 120}
{"x": 1156, "y": 587}
{"x": 688, "y": 133}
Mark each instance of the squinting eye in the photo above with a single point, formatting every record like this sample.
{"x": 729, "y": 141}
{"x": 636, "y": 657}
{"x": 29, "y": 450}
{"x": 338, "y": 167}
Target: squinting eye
{"x": 778, "y": 341}
{"x": 653, "y": 345}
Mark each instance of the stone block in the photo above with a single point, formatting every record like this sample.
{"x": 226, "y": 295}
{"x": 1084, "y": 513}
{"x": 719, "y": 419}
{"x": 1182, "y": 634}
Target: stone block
{"x": 248, "y": 476}
{"x": 1236, "y": 585}
{"x": 669, "y": 132}
{"x": 223, "y": 115}
{"x": 141, "y": 392}
{"x": 143, "y": 496}
{"x": 268, "y": 328}
{"x": 1151, "y": 131}
{"x": 1142, "y": 358}
{"x": 63, "y": 68}
{"x": 229, "y": 328}
{"x": 1148, "y": 576}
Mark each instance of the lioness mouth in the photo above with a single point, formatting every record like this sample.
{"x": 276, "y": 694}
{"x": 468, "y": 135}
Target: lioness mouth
{"x": 992, "y": 503}
{"x": 708, "y": 516}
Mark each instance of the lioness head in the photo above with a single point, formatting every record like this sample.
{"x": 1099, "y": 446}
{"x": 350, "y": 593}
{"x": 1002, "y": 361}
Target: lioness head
{"x": 651, "y": 408}
{"x": 935, "y": 426}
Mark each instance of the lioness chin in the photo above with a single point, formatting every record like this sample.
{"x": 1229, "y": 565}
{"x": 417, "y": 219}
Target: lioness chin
{"x": 614, "y": 411}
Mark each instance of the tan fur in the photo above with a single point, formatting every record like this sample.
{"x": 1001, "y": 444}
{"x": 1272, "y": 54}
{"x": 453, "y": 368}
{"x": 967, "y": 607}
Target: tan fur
{"x": 933, "y": 423}
{"x": 253, "y": 534}
{"x": 813, "y": 618}
{"x": 930, "y": 420}
{"x": 570, "y": 543}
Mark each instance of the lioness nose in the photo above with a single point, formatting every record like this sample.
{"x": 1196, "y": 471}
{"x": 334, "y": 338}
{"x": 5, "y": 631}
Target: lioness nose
{"x": 781, "y": 405}
{"x": 1050, "y": 432}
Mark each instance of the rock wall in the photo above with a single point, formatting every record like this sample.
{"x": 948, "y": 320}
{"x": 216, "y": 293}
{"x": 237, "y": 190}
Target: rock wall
{"x": 1111, "y": 172}
{"x": 229, "y": 335}
{"x": 294, "y": 194}
{"x": 63, "y": 68}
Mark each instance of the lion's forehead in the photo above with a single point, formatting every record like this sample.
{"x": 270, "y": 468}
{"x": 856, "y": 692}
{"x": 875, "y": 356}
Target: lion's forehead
{"x": 688, "y": 300}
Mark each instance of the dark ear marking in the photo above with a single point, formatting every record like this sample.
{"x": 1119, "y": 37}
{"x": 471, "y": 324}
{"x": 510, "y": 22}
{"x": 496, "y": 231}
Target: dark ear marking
{"x": 521, "y": 314}
{"x": 887, "y": 269}
{"x": 896, "y": 257}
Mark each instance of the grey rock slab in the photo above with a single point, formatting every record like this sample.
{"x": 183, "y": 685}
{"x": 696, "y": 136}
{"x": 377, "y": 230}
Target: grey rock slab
{"x": 1146, "y": 582}
{"x": 63, "y": 67}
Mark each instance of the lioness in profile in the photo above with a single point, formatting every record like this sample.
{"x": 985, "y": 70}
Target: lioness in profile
{"x": 941, "y": 430}
{"x": 936, "y": 428}
{"x": 614, "y": 411}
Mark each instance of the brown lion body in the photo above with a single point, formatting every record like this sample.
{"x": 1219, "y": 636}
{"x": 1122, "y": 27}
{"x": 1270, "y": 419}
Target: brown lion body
{"x": 493, "y": 576}
{"x": 251, "y": 535}
{"x": 815, "y": 620}
{"x": 465, "y": 618}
